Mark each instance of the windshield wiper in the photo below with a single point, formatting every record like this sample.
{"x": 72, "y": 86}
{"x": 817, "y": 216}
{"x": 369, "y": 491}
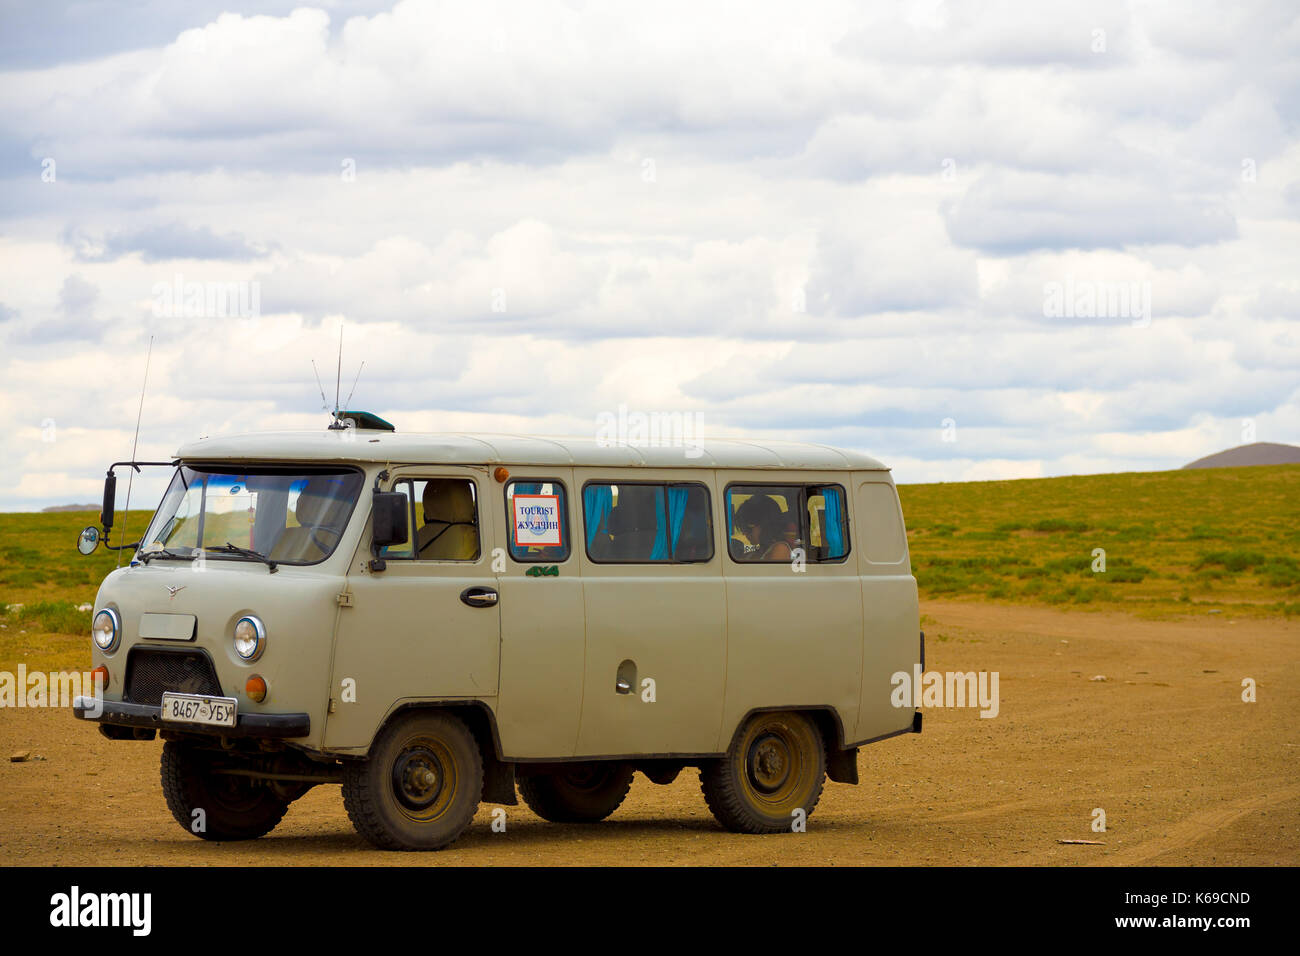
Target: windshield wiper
{"x": 144, "y": 556}
{"x": 229, "y": 548}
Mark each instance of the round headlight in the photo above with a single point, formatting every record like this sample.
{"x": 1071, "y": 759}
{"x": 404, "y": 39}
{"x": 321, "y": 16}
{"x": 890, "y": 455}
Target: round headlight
{"x": 105, "y": 629}
{"x": 250, "y": 638}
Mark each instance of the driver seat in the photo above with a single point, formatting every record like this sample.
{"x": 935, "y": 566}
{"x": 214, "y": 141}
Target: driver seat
{"x": 313, "y": 510}
{"x": 450, "y": 531}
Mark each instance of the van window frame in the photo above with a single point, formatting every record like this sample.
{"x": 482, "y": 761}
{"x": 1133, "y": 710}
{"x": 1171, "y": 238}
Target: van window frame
{"x": 805, "y": 527}
{"x": 414, "y": 557}
{"x": 510, "y": 519}
{"x": 291, "y": 468}
{"x": 708, "y": 501}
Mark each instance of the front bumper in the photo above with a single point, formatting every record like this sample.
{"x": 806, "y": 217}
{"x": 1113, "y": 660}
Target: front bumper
{"x": 120, "y": 713}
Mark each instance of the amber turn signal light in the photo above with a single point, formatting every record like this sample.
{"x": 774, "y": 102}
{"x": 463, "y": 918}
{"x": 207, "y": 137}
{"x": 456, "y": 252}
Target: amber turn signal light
{"x": 255, "y": 688}
{"x": 501, "y": 474}
{"x": 99, "y": 678}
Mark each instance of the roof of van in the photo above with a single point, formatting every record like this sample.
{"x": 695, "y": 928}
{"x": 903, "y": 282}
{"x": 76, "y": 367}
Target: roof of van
{"x": 459, "y": 448}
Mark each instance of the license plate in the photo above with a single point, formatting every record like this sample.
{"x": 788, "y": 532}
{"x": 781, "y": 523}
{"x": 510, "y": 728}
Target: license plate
{"x": 193, "y": 709}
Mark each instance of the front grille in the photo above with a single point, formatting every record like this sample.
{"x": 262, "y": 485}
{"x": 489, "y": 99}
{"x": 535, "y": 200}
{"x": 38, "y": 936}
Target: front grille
{"x": 150, "y": 672}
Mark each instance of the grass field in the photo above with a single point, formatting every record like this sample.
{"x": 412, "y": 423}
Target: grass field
{"x": 1221, "y": 539}
{"x": 43, "y": 582}
{"x": 1174, "y": 541}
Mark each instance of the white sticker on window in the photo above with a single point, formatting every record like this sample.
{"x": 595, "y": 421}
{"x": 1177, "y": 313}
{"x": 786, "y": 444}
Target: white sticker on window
{"x": 537, "y": 520}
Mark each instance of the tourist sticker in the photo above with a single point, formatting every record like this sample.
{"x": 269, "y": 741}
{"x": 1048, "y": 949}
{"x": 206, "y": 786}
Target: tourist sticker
{"x": 537, "y": 521}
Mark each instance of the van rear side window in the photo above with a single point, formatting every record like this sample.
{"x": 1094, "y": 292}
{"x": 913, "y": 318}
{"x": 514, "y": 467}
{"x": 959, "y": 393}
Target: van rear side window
{"x": 767, "y": 523}
{"x": 647, "y": 523}
{"x": 882, "y": 523}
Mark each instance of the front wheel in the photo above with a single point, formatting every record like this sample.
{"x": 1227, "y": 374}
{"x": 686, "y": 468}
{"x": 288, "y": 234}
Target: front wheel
{"x": 213, "y": 805}
{"x": 420, "y": 787}
{"x": 578, "y": 792}
{"x": 773, "y": 771}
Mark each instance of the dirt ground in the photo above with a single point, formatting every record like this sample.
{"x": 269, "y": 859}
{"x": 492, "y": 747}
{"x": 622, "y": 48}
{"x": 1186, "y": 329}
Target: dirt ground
{"x": 1185, "y": 771}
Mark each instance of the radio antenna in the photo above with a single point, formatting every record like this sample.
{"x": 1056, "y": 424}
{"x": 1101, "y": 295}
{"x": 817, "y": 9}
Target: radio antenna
{"x": 338, "y": 422}
{"x": 130, "y": 480}
{"x": 354, "y": 384}
{"x": 338, "y": 377}
{"x": 324, "y": 403}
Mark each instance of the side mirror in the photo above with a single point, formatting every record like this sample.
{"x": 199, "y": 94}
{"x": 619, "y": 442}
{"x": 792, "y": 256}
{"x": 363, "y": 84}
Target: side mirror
{"x": 389, "y": 516}
{"x": 88, "y": 540}
{"x": 110, "y": 493}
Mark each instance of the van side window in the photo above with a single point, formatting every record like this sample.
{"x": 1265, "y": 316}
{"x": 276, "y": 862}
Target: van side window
{"x": 537, "y": 514}
{"x": 882, "y": 533}
{"x": 647, "y": 523}
{"x": 767, "y": 523}
{"x": 828, "y": 524}
{"x": 444, "y": 520}
{"x": 691, "y": 522}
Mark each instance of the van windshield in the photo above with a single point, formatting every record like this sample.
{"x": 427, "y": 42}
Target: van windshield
{"x": 291, "y": 516}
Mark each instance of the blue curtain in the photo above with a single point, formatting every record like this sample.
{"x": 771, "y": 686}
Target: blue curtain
{"x": 834, "y": 529}
{"x": 677, "y": 498}
{"x": 597, "y": 500}
{"x": 660, "y": 550}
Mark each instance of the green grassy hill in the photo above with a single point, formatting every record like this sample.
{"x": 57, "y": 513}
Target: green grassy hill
{"x": 1218, "y": 538}
{"x": 1175, "y": 541}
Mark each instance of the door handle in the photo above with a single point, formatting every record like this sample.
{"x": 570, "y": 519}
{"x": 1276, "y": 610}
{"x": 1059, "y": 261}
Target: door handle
{"x": 479, "y": 597}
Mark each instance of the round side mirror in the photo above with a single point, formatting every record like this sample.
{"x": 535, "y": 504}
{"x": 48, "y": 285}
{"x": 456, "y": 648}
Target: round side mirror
{"x": 88, "y": 540}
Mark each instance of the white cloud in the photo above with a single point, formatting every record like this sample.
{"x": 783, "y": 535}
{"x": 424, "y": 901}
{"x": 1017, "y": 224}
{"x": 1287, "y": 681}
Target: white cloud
{"x": 827, "y": 221}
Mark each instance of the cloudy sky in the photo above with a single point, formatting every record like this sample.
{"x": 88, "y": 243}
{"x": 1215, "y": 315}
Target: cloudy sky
{"x": 848, "y": 223}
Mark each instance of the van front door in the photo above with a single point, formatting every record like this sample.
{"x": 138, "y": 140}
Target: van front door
{"x": 427, "y": 627}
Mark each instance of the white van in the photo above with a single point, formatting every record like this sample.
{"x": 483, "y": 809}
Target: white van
{"x": 430, "y": 620}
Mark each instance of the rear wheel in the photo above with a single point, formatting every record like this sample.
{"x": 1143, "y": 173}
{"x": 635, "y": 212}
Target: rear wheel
{"x": 577, "y": 793}
{"x": 213, "y": 805}
{"x": 774, "y": 769}
{"x": 420, "y": 787}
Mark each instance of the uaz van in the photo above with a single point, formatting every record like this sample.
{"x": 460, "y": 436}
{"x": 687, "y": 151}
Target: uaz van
{"x": 434, "y": 621}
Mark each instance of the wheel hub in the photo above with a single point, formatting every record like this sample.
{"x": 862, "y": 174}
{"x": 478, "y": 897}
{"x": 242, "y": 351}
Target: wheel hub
{"x": 418, "y": 778}
{"x": 769, "y": 763}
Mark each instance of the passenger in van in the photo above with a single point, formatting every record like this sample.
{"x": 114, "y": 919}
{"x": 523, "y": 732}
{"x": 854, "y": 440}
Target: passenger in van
{"x": 450, "y": 531}
{"x": 790, "y": 531}
{"x": 764, "y": 524}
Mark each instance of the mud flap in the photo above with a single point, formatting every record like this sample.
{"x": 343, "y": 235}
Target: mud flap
{"x": 916, "y": 717}
{"x": 842, "y": 765}
{"x": 498, "y": 782}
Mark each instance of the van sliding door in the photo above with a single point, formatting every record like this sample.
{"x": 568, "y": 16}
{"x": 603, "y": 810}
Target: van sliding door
{"x": 655, "y": 611}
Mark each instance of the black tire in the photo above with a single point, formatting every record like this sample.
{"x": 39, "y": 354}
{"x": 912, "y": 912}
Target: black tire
{"x": 775, "y": 766}
{"x": 234, "y": 808}
{"x": 420, "y": 786}
{"x": 578, "y": 792}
